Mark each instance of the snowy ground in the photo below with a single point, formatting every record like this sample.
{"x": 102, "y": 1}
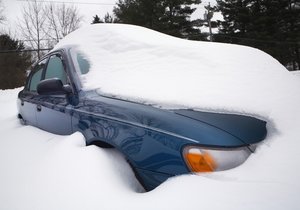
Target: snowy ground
{"x": 297, "y": 73}
{"x": 42, "y": 171}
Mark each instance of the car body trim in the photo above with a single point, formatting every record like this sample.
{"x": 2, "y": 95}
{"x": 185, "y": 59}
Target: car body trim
{"x": 138, "y": 125}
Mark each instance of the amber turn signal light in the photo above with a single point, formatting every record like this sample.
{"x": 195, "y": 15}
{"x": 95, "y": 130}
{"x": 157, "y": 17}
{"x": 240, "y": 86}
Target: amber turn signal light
{"x": 201, "y": 162}
{"x": 200, "y": 159}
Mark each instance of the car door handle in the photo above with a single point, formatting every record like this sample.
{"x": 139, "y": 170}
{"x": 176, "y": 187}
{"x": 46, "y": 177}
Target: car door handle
{"x": 22, "y": 103}
{"x": 39, "y": 108}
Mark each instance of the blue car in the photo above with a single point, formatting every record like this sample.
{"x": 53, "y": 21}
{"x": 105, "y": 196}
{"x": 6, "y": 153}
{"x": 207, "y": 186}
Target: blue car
{"x": 158, "y": 143}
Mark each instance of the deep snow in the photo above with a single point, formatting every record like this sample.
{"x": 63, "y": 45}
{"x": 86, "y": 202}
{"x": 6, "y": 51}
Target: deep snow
{"x": 142, "y": 65}
{"x": 296, "y": 73}
{"x": 39, "y": 170}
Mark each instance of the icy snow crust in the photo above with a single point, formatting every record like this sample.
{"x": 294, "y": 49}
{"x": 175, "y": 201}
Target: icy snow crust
{"x": 39, "y": 170}
{"x": 142, "y": 65}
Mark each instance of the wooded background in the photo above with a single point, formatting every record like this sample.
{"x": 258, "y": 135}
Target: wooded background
{"x": 269, "y": 25}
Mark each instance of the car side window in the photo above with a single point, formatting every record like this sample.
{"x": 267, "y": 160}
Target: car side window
{"x": 37, "y": 75}
{"x": 55, "y": 69}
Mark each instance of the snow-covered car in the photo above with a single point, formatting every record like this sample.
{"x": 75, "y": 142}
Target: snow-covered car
{"x": 115, "y": 84}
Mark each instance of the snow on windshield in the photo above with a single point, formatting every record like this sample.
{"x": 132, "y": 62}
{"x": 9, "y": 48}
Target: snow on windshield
{"x": 141, "y": 65}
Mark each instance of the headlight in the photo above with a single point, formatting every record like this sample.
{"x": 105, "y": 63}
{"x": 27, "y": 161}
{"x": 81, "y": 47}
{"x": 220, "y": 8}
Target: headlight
{"x": 207, "y": 160}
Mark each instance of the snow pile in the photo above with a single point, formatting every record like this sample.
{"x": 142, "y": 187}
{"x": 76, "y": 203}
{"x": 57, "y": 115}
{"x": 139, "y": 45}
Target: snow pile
{"x": 142, "y": 65}
{"x": 40, "y": 170}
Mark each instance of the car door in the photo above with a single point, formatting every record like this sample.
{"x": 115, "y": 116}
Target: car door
{"x": 29, "y": 99}
{"x": 54, "y": 111}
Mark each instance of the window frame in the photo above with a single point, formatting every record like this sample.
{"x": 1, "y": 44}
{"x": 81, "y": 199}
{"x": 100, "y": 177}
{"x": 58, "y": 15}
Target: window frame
{"x": 29, "y": 79}
{"x": 60, "y": 56}
{"x": 47, "y": 58}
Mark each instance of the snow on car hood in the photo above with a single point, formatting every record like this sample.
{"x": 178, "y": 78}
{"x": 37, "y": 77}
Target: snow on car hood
{"x": 138, "y": 64}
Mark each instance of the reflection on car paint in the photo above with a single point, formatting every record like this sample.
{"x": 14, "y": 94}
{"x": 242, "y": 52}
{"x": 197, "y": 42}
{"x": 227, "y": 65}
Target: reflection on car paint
{"x": 151, "y": 139}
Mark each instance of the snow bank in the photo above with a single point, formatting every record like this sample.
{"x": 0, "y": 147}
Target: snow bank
{"x": 40, "y": 170}
{"x": 296, "y": 73}
{"x": 43, "y": 171}
{"x": 142, "y": 65}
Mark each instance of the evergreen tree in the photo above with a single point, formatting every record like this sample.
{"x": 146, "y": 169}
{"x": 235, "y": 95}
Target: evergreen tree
{"x": 270, "y": 25}
{"x": 13, "y": 62}
{"x": 107, "y": 19}
{"x": 168, "y": 16}
{"x": 292, "y": 28}
{"x": 96, "y": 20}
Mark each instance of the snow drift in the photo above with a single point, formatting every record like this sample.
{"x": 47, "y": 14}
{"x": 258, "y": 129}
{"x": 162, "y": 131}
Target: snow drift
{"x": 142, "y": 65}
{"x": 40, "y": 170}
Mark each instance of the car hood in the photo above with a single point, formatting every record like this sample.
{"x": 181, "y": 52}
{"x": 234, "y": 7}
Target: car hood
{"x": 249, "y": 130}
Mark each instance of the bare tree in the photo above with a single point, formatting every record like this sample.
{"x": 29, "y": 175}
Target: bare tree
{"x": 32, "y": 25}
{"x": 2, "y": 17}
{"x": 43, "y": 25}
{"x": 61, "y": 20}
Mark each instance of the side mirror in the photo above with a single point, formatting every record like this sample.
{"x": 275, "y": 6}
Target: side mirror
{"x": 53, "y": 86}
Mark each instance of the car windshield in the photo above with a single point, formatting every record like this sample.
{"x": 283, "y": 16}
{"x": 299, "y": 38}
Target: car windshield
{"x": 81, "y": 63}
